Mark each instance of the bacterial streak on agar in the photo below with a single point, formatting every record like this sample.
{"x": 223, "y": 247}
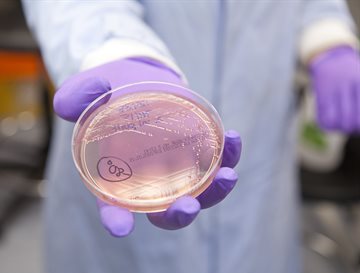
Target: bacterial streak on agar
{"x": 161, "y": 146}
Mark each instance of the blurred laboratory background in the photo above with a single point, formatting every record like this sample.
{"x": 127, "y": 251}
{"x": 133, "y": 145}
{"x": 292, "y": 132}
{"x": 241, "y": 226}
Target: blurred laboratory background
{"x": 328, "y": 164}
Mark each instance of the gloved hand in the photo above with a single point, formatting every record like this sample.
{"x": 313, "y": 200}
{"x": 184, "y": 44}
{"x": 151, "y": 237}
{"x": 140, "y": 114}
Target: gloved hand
{"x": 335, "y": 77}
{"x": 80, "y": 90}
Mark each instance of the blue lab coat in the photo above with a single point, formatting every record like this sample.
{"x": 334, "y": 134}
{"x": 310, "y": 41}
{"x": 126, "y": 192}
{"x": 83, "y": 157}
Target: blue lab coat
{"x": 241, "y": 55}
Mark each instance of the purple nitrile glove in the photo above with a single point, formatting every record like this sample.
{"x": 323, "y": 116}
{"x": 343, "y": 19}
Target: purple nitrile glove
{"x": 335, "y": 77}
{"x": 77, "y": 92}
{"x": 80, "y": 90}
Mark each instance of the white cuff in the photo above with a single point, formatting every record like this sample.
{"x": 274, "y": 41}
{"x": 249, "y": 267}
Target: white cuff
{"x": 115, "y": 49}
{"x": 323, "y": 35}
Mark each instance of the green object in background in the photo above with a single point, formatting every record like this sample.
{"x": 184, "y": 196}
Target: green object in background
{"x": 314, "y": 137}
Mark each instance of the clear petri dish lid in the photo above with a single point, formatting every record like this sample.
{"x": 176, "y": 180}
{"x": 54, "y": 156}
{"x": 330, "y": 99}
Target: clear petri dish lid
{"x": 144, "y": 145}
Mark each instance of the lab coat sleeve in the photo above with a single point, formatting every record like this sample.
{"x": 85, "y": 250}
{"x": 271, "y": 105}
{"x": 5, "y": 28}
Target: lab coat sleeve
{"x": 325, "y": 24}
{"x": 76, "y": 35}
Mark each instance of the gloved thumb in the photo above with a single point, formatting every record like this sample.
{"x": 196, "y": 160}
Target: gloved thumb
{"x": 76, "y": 94}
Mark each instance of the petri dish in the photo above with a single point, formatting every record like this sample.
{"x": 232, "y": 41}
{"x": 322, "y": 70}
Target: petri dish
{"x": 144, "y": 145}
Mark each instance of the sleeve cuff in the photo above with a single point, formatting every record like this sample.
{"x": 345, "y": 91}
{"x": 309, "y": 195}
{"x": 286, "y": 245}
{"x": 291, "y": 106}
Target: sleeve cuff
{"x": 115, "y": 49}
{"x": 323, "y": 35}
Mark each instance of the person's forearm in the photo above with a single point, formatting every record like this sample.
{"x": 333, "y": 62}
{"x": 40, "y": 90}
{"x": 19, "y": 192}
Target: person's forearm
{"x": 71, "y": 33}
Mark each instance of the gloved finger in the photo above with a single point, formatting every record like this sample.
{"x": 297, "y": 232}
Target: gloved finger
{"x": 221, "y": 186}
{"x": 118, "y": 221}
{"x": 76, "y": 94}
{"x": 232, "y": 149}
{"x": 328, "y": 110}
{"x": 179, "y": 215}
{"x": 348, "y": 104}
